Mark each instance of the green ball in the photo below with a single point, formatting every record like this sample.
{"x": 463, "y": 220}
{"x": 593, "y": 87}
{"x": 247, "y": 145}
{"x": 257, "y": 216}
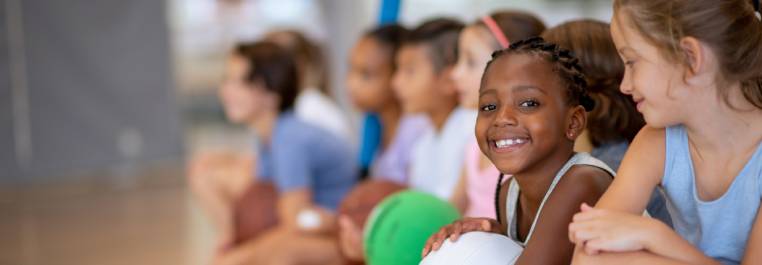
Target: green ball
{"x": 399, "y": 226}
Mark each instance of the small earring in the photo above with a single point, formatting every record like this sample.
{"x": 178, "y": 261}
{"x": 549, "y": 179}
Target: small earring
{"x": 570, "y": 134}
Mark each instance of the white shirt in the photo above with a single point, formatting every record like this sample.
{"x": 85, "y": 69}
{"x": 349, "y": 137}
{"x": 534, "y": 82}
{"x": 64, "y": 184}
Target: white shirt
{"x": 317, "y": 109}
{"x": 438, "y": 156}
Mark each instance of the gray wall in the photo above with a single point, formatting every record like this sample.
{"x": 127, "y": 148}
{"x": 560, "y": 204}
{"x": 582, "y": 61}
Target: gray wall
{"x": 98, "y": 87}
{"x": 7, "y": 162}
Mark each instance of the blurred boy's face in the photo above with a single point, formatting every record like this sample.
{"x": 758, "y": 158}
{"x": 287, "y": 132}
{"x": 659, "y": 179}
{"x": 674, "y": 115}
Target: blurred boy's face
{"x": 415, "y": 80}
{"x": 369, "y": 77}
{"x": 243, "y": 102}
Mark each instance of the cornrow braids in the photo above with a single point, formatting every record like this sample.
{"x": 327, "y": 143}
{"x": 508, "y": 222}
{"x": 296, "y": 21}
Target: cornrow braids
{"x": 564, "y": 63}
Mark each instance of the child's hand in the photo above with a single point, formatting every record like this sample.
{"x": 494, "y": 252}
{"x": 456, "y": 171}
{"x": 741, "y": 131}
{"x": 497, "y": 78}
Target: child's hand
{"x": 599, "y": 230}
{"x": 350, "y": 239}
{"x": 454, "y": 230}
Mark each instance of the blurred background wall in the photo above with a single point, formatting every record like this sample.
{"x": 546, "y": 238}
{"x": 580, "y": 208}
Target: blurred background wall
{"x": 86, "y": 86}
{"x": 113, "y": 87}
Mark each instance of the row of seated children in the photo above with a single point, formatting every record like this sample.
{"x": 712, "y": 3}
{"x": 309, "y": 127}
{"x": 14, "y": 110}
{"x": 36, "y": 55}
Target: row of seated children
{"x": 683, "y": 68}
{"x": 534, "y": 101}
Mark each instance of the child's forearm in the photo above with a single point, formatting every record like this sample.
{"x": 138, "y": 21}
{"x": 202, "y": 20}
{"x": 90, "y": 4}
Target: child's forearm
{"x": 663, "y": 241}
{"x": 623, "y": 258}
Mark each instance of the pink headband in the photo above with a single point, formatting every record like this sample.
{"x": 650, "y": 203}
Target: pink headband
{"x": 495, "y": 29}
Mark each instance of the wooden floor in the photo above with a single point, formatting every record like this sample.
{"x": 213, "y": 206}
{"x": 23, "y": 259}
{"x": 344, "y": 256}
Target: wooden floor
{"x": 150, "y": 225}
{"x": 121, "y": 217}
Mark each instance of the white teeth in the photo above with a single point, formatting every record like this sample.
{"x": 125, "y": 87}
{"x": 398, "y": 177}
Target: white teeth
{"x": 508, "y": 142}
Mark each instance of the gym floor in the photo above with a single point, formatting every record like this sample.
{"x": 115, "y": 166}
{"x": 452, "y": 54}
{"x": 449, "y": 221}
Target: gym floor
{"x": 150, "y": 225}
{"x": 136, "y": 218}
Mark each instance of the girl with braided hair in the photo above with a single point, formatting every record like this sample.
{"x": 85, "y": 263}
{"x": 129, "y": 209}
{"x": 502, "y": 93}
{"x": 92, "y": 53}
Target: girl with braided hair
{"x": 473, "y": 195}
{"x": 532, "y": 107}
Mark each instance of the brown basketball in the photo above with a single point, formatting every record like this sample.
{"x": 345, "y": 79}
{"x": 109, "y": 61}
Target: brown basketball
{"x": 360, "y": 201}
{"x": 255, "y": 211}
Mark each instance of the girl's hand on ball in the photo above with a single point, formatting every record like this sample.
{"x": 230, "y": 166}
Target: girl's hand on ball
{"x": 454, "y": 230}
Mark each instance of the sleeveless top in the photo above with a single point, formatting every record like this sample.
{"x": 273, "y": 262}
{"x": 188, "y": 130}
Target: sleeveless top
{"x": 719, "y": 228}
{"x": 513, "y": 193}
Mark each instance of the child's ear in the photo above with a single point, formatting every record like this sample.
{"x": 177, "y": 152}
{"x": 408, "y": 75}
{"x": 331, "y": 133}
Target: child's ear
{"x": 577, "y": 123}
{"x": 696, "y": 58}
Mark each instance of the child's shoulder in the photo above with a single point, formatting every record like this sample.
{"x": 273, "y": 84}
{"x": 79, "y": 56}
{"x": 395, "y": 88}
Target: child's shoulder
{"x": 296, "y": 133}
{"x": 586, "y": 179}
{"x": 582, "y": 183}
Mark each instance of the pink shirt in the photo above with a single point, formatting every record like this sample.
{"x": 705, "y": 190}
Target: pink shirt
{"x": 480, "y": 184}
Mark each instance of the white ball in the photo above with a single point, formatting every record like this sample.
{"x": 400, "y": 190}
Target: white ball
{"x": 476, "y": 248}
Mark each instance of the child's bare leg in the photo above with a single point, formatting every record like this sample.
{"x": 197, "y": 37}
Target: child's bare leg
{"x": 214, "y": 205}
{"x": 287, "y": 247}
{"x": 217, "y": 181}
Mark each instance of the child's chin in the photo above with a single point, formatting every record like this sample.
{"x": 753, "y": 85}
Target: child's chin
{"x": 509, "y": 168}
{"x": 655, "y": 121}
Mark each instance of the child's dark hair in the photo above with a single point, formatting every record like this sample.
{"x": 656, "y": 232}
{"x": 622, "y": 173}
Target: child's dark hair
{"x": 614, "y": 118}
{"x": 729, "y": 27}
{"x": 440, "y": 35}
{"x": 274, "y": 67}
{"x": 307, "y": 54}
{"x": 391, "y": 36}
{"x": 515, "y": 25}
{"x": 564, "y": 63}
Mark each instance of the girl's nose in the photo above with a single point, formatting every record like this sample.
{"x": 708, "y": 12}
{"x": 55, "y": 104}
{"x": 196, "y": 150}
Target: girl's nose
{"x": 505, "y": 117}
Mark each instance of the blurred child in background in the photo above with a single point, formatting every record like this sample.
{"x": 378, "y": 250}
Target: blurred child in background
{"x": 369, "y": 83}
{"x": 371, "y": 67}
{"x": 314, "y": 104}
{"x": 423, "y": 81}
{"x": 311, "y": 167}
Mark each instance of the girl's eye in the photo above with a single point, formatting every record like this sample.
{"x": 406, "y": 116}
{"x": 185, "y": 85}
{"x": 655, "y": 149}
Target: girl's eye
{"x": 529, "y": 104}
{"x": 629, "y": 62}
{"x": 488, "y": 107}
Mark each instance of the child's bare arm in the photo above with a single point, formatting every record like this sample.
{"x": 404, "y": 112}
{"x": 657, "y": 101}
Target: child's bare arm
{"x": 293, "y": 203}
{"x": 617, "y": 225}
{"x": 580, "y": 184}
{"x": 627, "y": 258}
{"x": 613, "y": 233}
{"x": 641, "y": 170}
